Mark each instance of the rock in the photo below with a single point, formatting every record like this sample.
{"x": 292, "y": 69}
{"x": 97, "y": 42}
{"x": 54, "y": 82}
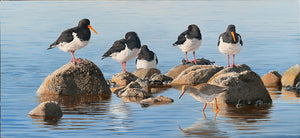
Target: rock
{"x": 196, "y": 74}
{"x": 47, "y": 109}
{"x": 201, "y": 62}
{"x": 160, "y": 79}
{"x": 272, "y": 79}
{"x": 145, "y": 73}
{"x": 134, "y": 89}
{"x": 123, "y": 78}
{"x": 157, "y": 100}
{"x": 174, "y": 72}
{"x": 237, "y": 69}
{"x": 82, "y": 79}
{"x": 244, "y": 88}
{"x": 291, "y": 76}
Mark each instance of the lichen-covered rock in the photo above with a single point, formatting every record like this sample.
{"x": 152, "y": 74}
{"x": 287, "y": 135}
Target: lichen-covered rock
{"x": 160, "y": 79}
{"x": 47, "y": 109}
{"x": 134, "y": 89}
{"x": 196, "y": 74}
{"x": 145, "y": 73}
{"x": 174, "y": 72}
{"x": 157, "y": 100}
{"x": 237, "y": 69}
{"x": 201, "y": 61}
{"x": 291, "y": 76}
{"x": 123, "y": 78}
{"x": 245, "y": 87}
{"x": 82, "y": 79}
{"x": 272, "y": 79}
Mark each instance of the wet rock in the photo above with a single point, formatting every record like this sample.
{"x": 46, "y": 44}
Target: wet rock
{"x": 123, "y": 78}
{"x": 272, "y": 79}
{"x": 196, "y": 74}
{"x": 174, "y": 72}
{"x": 134, "y": 89}
{"x": 291, "y": 76}
{"x": 244, "y": 88}
{"x": 81, "y": 79}
{"x": 237, "y": 69}
{"x": 202, "y": 61}
{"x": 157, "y": 100}
{"x": 145, "y": 73}
{"x": 47, "y": 109}
{"x": 159, "y": 79}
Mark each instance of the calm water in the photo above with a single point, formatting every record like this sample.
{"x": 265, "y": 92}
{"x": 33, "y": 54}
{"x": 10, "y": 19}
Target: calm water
{"x": 270, "y": 31}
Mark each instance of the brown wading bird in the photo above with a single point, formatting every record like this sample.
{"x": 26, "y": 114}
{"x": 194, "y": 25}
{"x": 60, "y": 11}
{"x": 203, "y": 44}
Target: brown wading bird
{"x": 205, "y": 93}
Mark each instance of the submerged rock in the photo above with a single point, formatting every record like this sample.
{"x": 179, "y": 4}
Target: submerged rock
{"x": 196, "y": 74}
{"x": 123, "y": 78}
{"x": 244, "y": 88}
{"x": 174, "y": 72}
{"x": 291, "y": 76}
{"x": 157, "y": 100}
{"x": 83, "y": 79}
{"x": 47, "y": 109}
{"x": 272, "y": 79}
{"x": 145, "y": 73}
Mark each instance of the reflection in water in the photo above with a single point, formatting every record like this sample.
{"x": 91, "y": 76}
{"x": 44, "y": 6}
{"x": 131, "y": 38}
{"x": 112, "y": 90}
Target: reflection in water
{"x": 203, "y": 128}
{"x": 291, "y": 95}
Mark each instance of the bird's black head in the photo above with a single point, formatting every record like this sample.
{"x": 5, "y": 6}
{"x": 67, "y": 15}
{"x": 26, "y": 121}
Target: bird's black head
{"x": 193, "y": 27}
{"x": 131, "y": 35}
{"x": 84, "y": 23}
{"x": 144, "y": 48}
{"x": 231, "y": 28}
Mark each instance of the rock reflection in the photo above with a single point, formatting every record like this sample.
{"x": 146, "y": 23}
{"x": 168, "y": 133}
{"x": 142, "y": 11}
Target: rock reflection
{"x": 46, "y": 120}
{"x": 203, "y": 128}
{"x": 291, "y": 95}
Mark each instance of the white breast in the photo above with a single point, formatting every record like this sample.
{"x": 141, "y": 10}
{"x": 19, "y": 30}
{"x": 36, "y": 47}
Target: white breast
{"x": 145, "y": 64}
{"x": 190, "y": 45}
{"x": 125, "y": 54}
{"x": 73, "y": 45}
{"x": 228, "y": 48}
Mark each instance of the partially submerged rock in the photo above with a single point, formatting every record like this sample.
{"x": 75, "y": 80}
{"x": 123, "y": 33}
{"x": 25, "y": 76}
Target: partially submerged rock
{"x": 47, "y": 109}
{"x": 82, "y": 79}
{"x": 123, "y": 78}
{"x": 245, "y": 87}
{"x": 134, "y": 89}
{"x": 272, "y": 79}
{"x": 196, "y": 74}
{"x": 145, "y": 73}
{"x": 174, "y": 72}
{"x": 157, "y": 100}
{"x": 160, "y": 79}
{"x": 291, "y": 76}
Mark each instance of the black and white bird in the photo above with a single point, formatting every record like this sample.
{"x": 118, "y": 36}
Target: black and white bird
{"x": 124, "y": 50}
{"x": 189, "y": 41}
{"x": 146, "y": 58}
{"x": 75, "y": 38}
{"x": 230, "y": 43}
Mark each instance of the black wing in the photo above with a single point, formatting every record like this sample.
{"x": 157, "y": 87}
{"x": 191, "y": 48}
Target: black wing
{"x": 118, "y": 46}
{"x": 181, "y": 39}
{"x": 156, "y": 59}
{"x": 221, "y": 35}
{"x": 65, "y": 36}
{"x": 241, "y": 42}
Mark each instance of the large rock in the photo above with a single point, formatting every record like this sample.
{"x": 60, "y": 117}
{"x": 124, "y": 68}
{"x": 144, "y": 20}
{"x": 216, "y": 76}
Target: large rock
{"x": 237, "y": 69}
{"x": 244, "y": 88}
{"x": 47, "y": 109}
{"x": 174, "y": 72}
{"x": 272, "y": 79}
{"x": 291, "y": 76}
{"x": 82, "y": 79}
{"x": 196, "y": 74}
{"x": 123, "y": 78}
{"x": 145, "y": 73}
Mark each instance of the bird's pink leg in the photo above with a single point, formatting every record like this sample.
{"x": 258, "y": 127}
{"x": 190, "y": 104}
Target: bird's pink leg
{"x": 124, "y": 66}
{"x": 228, "y": 61}
{"x": 204, "y": 107}
{"x": 186, "y": 58}
{"x": 195, "y": 58}
{"x": 217, "y": 105}
{"x": 233, "y": 60}
{"x": 73, "y": 58}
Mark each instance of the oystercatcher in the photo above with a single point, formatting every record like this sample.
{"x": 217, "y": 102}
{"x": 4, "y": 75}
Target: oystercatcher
{"x": 189, "y": 41}
{"x": 204, "y": 93}
{"x": 230, "y": 43}
{"x": 124, "y": 49}
{"x": 75, "y": 38}
{"x": 146, "y": 58}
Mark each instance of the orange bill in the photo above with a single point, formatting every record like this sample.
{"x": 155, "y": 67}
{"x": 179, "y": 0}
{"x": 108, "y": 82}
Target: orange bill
{"x": 181, "y": 95}
{"x": 92, "y": 29}
{"x": 232, "y": 33}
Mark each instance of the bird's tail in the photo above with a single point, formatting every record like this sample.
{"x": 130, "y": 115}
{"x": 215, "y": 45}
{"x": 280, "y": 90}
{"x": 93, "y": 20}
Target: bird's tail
{"x": 51, "y": 46}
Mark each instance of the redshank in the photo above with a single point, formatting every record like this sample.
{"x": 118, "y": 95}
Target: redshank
{"x": 205, "y": 93}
